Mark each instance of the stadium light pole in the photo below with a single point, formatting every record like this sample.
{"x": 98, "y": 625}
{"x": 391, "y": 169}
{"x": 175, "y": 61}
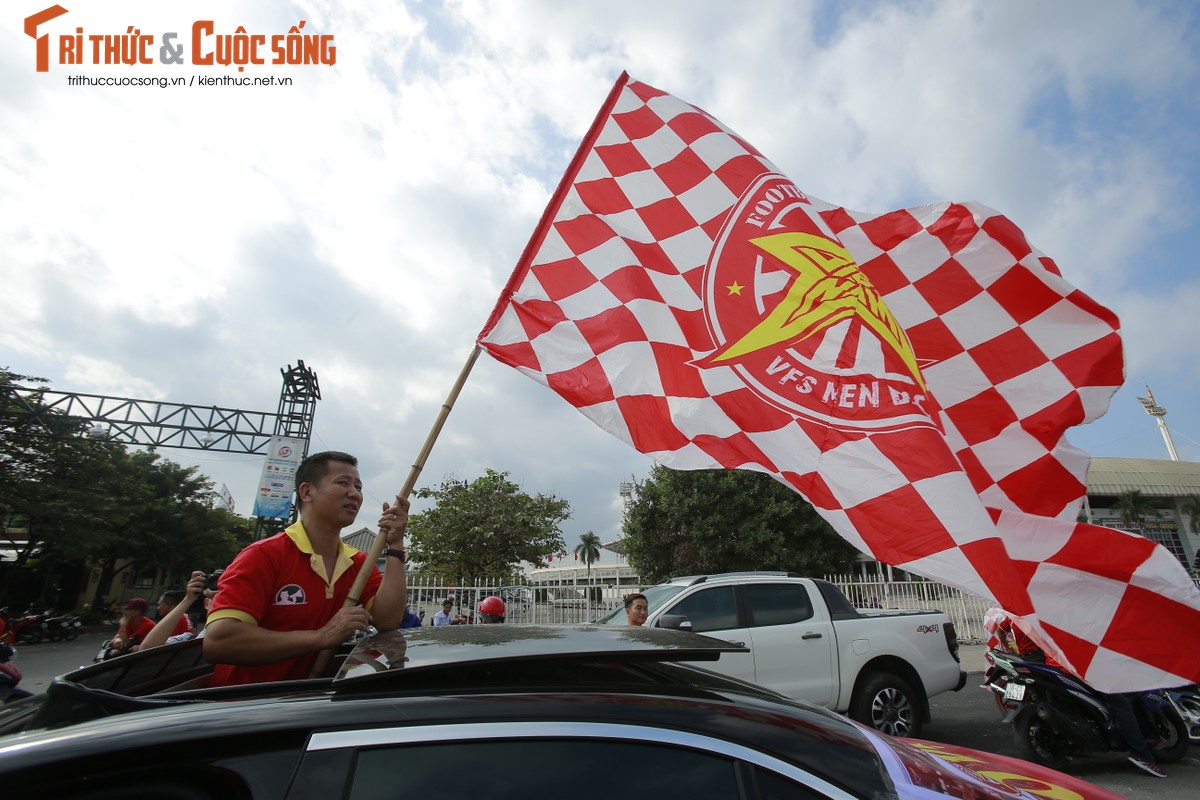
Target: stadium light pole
{"x": 1159, "y": 413}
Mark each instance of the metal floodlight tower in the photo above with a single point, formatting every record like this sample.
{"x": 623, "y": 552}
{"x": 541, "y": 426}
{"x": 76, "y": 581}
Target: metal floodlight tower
{"x": 1159, "y": 413}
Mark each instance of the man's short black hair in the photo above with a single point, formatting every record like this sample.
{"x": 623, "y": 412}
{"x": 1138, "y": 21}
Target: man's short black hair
{"x": 172, "y": 597}
{"x": 316, "y": 466}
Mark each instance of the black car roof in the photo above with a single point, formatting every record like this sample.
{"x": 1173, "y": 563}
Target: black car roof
{"x": 433, "y": 648}
{"x": 594, "y": 674}
{"x": 176, "y": 674}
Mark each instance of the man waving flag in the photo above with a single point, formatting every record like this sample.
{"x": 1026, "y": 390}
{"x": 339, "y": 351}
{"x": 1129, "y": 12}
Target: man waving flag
{"x": 911, "y": 373}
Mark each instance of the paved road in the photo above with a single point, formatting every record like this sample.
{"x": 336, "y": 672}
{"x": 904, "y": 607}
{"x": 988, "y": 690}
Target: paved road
{"x": 966, "y": 718}
{"x": 39, "y": 663}
{"x": 969, "y": 718}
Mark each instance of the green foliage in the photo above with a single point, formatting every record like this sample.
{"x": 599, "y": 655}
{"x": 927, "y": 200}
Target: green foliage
{"x": 485, "y": 528}
{"x": 705, "y": 521}
{"x": 85, "y": 500}
{"x": 588, "y": 551}
{"x": 56, "y": 488}
{"x": 1191, "y": 507}
{"x": 1136, "y": 508}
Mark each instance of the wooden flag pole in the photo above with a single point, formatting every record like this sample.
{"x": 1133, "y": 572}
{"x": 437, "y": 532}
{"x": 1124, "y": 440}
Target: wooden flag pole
{"x": 377, "y": 547}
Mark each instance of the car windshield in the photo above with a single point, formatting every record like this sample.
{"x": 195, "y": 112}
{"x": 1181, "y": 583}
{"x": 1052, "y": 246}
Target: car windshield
{"x": 656, "y": 597}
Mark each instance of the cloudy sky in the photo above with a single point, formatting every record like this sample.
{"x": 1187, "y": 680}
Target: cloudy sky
{"x": 184, "y": 244}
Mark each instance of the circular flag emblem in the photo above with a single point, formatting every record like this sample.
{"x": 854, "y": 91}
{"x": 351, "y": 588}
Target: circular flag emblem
{"x": 799, "y": 323}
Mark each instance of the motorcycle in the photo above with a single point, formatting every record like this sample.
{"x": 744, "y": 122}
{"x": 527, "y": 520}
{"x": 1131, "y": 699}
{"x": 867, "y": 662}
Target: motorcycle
{"x": 63, "y": 626}
{"x": 1186, "y": 700}
{"x": 10, "y": 676}
{"x": 106, "y": 652}
{"x": 1056, "y": 716}
{"x": 109, "y": 649}
{"x": 29, "y": 628}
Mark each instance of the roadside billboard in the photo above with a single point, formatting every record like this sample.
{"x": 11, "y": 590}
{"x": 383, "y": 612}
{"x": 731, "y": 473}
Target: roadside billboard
{"x": 278, "y": 483}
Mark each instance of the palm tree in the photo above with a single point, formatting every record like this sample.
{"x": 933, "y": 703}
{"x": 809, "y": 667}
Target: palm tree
{"x": 1191, "y": 507}
{"x": 1136, "y": 508}
{"x": 587, "y": 551}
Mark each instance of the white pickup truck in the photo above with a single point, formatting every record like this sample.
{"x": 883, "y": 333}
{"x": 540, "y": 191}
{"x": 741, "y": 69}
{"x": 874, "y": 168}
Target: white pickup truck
{"x": 806, "y": 641}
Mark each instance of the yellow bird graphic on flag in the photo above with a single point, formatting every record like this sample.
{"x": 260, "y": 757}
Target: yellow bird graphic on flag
{"x": 829, "y": 288}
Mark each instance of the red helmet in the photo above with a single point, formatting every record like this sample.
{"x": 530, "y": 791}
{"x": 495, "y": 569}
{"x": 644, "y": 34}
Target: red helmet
{"x": 492, "y": 606}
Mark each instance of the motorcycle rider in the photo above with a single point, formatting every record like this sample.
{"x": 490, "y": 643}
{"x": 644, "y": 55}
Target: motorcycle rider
{"x": 1140, "y": 753}
{"x": 10, "y": 676}
{"x": 1007, "y": 636}
{"x": 491, "y": 610}
{"x": 134, "y": 626}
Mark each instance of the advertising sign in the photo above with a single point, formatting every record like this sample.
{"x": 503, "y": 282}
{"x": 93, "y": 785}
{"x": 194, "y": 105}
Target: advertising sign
{"x": 224, "y": 499}
{"x": 278, "y": 482}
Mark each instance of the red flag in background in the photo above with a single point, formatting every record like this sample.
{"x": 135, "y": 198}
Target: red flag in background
{"x": 910, "y": 373}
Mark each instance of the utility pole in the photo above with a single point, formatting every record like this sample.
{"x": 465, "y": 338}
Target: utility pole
{"x": 1159, "y": 413}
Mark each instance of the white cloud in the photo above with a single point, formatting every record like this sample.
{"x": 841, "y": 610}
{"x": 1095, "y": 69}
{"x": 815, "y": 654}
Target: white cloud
{"x": 188, "y": 244}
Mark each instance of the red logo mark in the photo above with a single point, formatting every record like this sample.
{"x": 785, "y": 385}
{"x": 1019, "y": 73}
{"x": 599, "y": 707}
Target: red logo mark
{"x": 43, "y": 42}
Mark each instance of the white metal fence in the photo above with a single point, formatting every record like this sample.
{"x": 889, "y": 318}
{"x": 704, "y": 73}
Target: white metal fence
{"x": 965, "y": 610}
{"x": 577, "y": 602}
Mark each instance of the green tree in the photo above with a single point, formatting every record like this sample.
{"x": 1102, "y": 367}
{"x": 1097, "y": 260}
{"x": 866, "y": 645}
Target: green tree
{"x": 79, "y": 500}
{"x": 1136, "y": 508}
{"x": 1191, "y": 507}
{"x": 588, "y": 551}
{"x": 57, "y": 487}
{"x": 705, "y": 521}
{"x": 170, "y": 523}
{"x": 485, "y": 528}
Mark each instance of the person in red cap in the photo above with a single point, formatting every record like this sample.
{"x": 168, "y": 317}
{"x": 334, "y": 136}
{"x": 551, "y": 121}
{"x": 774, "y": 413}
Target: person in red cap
{"x": 133, "y": 626}
{"x": 491, "y": 611}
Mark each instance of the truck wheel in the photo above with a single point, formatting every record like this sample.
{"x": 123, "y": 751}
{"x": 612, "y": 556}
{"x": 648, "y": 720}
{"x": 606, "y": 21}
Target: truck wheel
{"x": 888, "y": 704}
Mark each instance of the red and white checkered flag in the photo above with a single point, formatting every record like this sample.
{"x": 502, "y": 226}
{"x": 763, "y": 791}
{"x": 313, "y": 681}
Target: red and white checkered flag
{"x": 910, "y": 373}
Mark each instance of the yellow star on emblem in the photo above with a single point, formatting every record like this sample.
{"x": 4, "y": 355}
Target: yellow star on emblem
{"x": 735, "y": 288}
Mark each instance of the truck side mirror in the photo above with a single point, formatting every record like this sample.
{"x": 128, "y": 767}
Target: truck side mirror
{"x": 677, "y": 622}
